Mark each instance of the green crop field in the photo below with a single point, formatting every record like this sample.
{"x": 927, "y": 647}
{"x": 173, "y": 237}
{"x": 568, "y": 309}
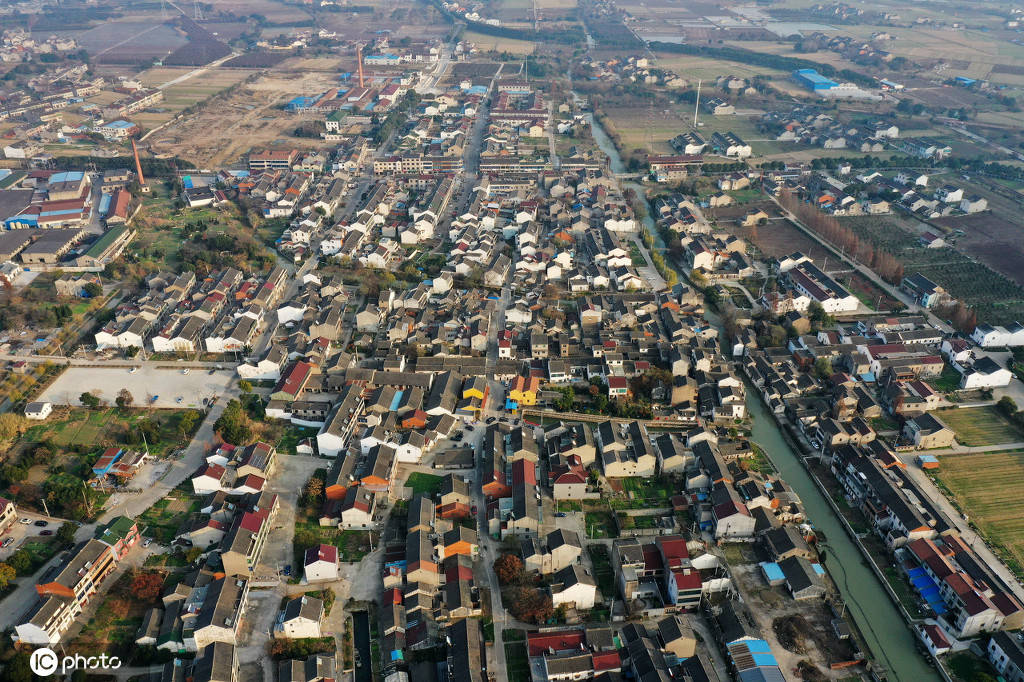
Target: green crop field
{"x": 980, "y": 426}
{"x": 986, "y": 487}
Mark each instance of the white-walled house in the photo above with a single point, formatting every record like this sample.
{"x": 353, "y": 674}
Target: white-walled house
{"x": 321, "y": 563}
{"x": 300, "y": 618}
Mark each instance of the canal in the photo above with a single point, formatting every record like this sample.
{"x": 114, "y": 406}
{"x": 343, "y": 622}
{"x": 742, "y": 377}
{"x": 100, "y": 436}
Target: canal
{"x": 885, "y": 632}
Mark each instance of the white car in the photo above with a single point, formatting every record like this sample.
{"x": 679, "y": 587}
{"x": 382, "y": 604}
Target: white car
{"x": 147, "y": 542}
{"x": 25, "y": 521}
{"x": 133, "y": 370}
{"x": 185, "y": 371}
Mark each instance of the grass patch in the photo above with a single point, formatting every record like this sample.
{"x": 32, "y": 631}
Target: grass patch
{"x": 424, "y": 484}
{"x": 352, "y": 545}
{"x": 644, "y": 492}
{"x": 292, "y": 436}
{"x": 89, "y": 429}
{"x": 163, "y": 520}
{"x": 517, "y": 663}
{"x": 903, "y": 590}
{"x": 604, "y": 575}
{"x": 599, "y": 524}
{"x": 737, "y": 553}
{"x": 980, "y": 426}
{"x": 948, "y": 381}
{"x": 970, "y": 668}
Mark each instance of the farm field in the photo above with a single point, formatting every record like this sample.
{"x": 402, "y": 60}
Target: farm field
{"x": 131, "y": 42}
{"x": 985, "y": 486}
{"x": 780, "y": 237}
{"x": 692, "y": 67}
{"x": 997, "y": 299}
{"x": 993, "y": 240}
{"x": 486, "y": 43}
{"x": 980, "y": 426}
{"x": 638, "y": 127}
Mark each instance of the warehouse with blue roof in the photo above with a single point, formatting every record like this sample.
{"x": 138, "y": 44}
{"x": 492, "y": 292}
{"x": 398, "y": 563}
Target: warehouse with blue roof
{"x": 812, "y": 80}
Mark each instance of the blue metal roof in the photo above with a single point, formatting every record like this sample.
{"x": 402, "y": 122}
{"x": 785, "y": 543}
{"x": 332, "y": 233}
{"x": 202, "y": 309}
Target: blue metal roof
{"x": 772, "y": 571}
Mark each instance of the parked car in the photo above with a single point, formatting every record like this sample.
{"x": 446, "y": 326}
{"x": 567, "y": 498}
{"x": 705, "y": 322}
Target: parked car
{"x": 133, "y": 370}
{"x": 25, "y": 521}
{"x": 185, "y": 371}
{"x": 211, "y": 371}
{"x": 560, "y": 514}
{"x": 287, "y": 569}
{"x": 178, "y": 399}
{"x": 147, "y": 542}
{"x": 47, "y": 532}
{"x": 490, "y": 420}
{"x": 42, "y": 524}
{"x": 473, "y": 509}
{"x": 8, "y": 542}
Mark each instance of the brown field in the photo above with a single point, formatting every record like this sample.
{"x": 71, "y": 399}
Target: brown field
{"x": 780, "y": 238}
{"x": 995, "y": 241}
{"x": 487, "y": 43}
{"x": 228, "y": 128}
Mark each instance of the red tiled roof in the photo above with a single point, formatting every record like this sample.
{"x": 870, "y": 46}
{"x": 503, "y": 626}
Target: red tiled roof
{"x": 606, "y": 660}
{"x": 538, "y": 643}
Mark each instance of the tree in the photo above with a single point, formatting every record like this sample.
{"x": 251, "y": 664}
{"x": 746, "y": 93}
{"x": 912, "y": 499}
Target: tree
{"x": 147, "y": 586}
{"x": 823, "y": 368}
{"x": 66, "y": 533}
{"x": 7, "y": 574}
{"x": 314, "y": 488}
{"x": 187, "y": 422}
{"x": 18, "y": 669}
{"x": 193, "y": 554}
{"x": 93, "y": 289}
{"x": 245, "y": 386}
{"x": 11, "y": 426}
{"x": 89, "y": 400}
{"x": 124, "y": 398}
{"x": 233, "y": 424}
{"x": 530, "y": 604}
{"x": 565, "y": 402}
{"x": 509, "y": 569}
{"x": 21, "y": 562}
{"x": 1007, "y": 405}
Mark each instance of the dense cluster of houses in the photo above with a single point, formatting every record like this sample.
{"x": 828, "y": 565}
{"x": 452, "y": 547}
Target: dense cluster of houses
{"x": 178, "y": 313}
{"x": 429, "y": 585}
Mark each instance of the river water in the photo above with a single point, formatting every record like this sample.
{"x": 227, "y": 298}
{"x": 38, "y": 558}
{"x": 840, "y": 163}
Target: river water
{"x": 887, "y": 635}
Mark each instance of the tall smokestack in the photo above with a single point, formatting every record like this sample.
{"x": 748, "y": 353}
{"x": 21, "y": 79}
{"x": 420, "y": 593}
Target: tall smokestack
{"x": 359, "y": 58}
{"x": 143, "y": 187}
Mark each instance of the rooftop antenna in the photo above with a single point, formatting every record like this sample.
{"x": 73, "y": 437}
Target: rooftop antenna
{"x": 163, "y": 10}
{"x": 696, "y": 104}
{"x": 197, "y": 11}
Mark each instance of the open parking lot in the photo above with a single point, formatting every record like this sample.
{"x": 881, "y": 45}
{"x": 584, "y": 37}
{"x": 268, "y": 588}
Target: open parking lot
{"x": 23, "y": 533}
{"x": 156, "y": 387}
